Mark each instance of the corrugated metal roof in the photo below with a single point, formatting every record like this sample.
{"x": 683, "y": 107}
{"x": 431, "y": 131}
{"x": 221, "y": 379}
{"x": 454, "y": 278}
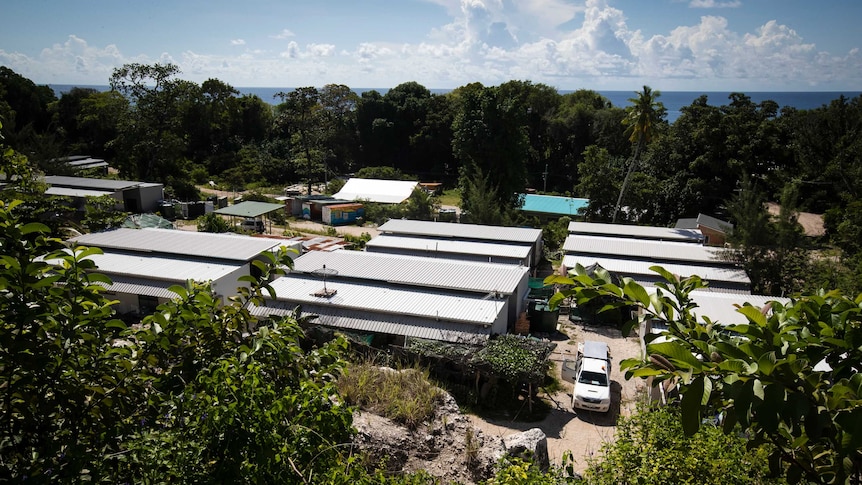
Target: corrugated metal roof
{"x": 249, "y": 209}
{"x": 415, "y": 270}
{"x": 90, "y": 183}
{"x": 364, "y": 321}
{"x": 140, "y": 286}
{"x": 168, "y": 241}
{"x": 72, "y": 192}
{"x": 550, "y": 204}
{"x": 379, "y": 297}
{"x": 642, "y": 232}
{"x": 377, "y": 190}
{"x": 642, "y": 249}
{"x": 635, "y": 268}
{"x": 461, "y": 231}
{"x": 450, "y": 246}
{"x": 719, "y": 307}
{"x": 161, "y": 267}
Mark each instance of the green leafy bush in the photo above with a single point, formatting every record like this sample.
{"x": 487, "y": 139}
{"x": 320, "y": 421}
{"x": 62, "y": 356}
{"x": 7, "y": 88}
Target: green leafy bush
{"x": 651, "y": 447}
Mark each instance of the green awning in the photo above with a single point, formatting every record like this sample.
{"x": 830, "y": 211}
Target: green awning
{"x": 249, "y": 209}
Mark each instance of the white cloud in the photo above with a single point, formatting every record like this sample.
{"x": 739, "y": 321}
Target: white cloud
{"x": 320, "y": 50}
{"x": 714, "y": 4}
{"x": 284, "y": 34}
{"x": 292, "y": 51}
{"x": 591, "y": 44}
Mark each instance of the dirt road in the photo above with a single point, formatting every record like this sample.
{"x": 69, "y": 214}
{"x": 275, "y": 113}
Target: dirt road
{"x": 581, "y": 432}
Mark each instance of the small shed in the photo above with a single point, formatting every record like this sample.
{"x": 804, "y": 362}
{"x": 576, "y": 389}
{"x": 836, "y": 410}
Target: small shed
{"x": 340, "y": 214}
{"x": 249, "y": 209}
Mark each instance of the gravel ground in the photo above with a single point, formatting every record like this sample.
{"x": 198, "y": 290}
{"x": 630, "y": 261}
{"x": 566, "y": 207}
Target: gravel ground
{"x": 581, "y": 432}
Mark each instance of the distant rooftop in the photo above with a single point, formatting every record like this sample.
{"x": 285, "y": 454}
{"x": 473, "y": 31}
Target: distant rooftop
{"x": 641, "y": 232}
{"x": 91, "y": 183}
{"x": 461, "y": 231}
{"x": 706, "y": 221}
{"x": 249, "y": 209}
{"x": 555, "y": 205}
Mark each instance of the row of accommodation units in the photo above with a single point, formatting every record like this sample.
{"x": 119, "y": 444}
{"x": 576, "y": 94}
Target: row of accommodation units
{"x": 455, "y": 295}
{"x": 685, "y": 250}
{"x": 432, "y": 280}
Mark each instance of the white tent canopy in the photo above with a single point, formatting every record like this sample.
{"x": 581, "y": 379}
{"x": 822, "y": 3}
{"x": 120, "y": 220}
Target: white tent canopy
{"x": 377, "y": 190}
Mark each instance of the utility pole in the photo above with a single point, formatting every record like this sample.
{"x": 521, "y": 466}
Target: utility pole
{"x": 545, "y": 179}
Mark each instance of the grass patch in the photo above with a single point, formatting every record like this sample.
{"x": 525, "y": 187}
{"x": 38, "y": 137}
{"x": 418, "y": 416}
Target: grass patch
{"x": 406, "y": 396}
{"x": 451, "y": 197}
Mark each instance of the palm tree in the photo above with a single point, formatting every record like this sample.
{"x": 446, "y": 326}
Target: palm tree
{"x": 642, "y": 119}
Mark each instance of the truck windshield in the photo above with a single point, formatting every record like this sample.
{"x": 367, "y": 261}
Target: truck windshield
{"x": 593, "y": 378}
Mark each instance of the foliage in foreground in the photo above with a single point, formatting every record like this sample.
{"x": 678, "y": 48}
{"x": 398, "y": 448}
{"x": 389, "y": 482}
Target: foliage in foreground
{"x": 201, "y": 392}
{"x": 788, "y": 377}
{"x": 650, "y": 447}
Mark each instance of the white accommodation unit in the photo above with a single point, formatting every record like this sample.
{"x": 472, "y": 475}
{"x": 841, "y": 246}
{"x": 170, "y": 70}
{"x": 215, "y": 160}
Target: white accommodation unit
{"x": 720, "y": 278}
{"x": 131, "y": 196}
{"x": 377, "y": 190}
{"x": 657, "y": 252}
{"x": 636, "y": 232}
{"x": 505, "y": 281}
{"x": 144, "y": 263}
{"x": 514, "y": 236}
{"x": 722, "y": 308}
{"x": 380, "y": 308}
{"x": 479, "y": 251}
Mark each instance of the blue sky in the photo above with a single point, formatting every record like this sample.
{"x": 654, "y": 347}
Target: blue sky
{"x": 670, "y": 45}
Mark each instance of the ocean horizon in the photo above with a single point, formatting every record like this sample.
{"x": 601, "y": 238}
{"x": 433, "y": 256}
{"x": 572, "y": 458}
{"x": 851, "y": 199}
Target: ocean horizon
{"x": 673, "y": 101}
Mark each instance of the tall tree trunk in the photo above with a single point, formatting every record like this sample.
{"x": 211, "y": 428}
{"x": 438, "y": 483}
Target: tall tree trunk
{"x": 626, "y": 181}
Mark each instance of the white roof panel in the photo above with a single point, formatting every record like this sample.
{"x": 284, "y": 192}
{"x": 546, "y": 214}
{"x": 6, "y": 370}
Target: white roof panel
{"x": 642, "y": 232}
{"x": 450, "y": 246}
{"x": 174, "y": 269}
{"x": 635, "y": 268}
{"x": 416, "y": 270}
{"x": 90, "y": 183}
{"x": 380, "y": 298}
{"x": 452, "y": 230}
{"x": 187, "y": 243}
{"x": 642, "y": 249}
{"x": 377, "y": 190}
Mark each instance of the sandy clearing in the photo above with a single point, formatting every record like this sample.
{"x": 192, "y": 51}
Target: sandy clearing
{"x": 581, "y": 432}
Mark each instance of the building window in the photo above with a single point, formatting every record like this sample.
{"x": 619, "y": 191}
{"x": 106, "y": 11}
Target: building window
{"x": 147, "y": 304}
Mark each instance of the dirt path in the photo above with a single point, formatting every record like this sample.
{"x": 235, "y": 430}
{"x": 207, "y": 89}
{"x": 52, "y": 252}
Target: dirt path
{"x": 581, "y": 432}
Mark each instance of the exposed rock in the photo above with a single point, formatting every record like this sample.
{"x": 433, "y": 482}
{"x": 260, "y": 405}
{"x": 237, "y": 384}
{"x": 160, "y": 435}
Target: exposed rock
{"x": 530, "y": 444}
{"x": 448, "y": 446}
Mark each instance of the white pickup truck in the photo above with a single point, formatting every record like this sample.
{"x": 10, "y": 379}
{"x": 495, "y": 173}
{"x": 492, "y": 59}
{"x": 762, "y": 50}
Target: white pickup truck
{"x": 591, "y": 373}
